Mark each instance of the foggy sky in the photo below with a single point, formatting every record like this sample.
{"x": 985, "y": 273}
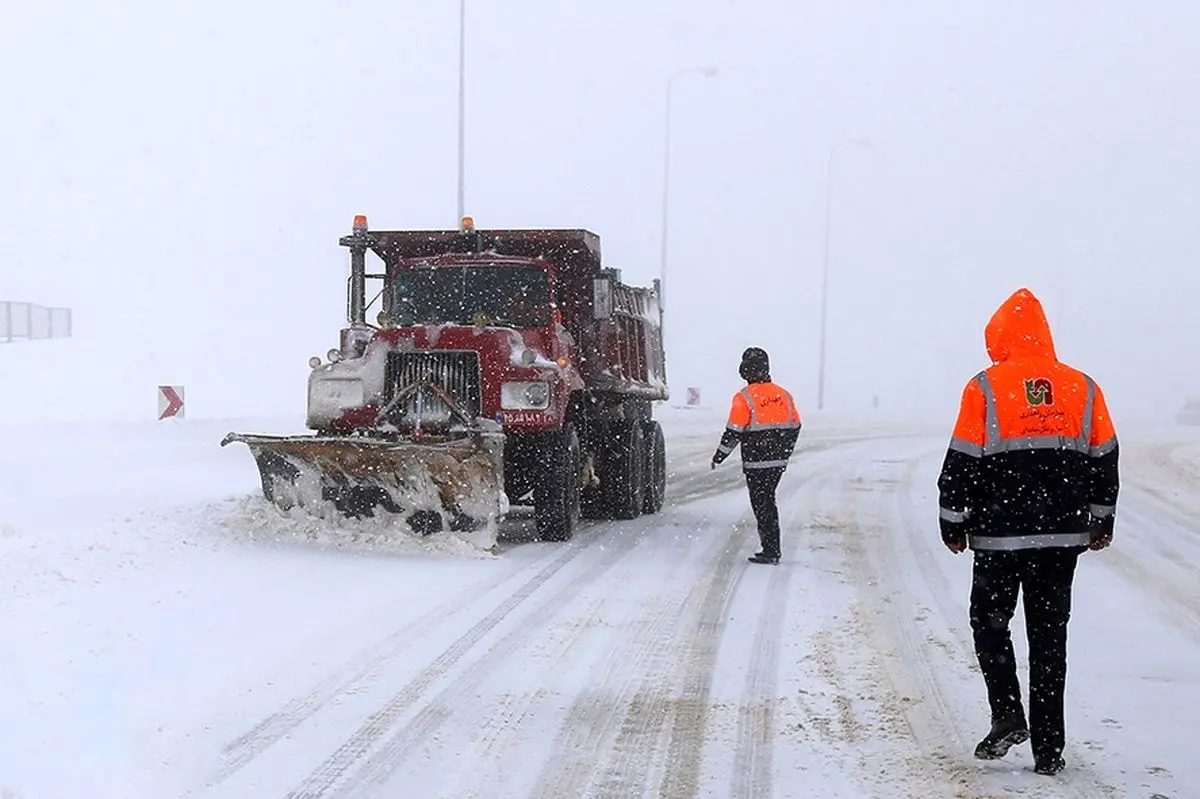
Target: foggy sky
{"x": 179, "y": 174}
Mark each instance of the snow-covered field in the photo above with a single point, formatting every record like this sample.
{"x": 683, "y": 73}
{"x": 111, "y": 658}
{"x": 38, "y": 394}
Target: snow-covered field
{"x": 164, "y": 633}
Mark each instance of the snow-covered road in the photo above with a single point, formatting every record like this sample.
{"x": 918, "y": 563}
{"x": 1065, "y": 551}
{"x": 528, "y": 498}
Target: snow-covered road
{"x": 165, "y": 634}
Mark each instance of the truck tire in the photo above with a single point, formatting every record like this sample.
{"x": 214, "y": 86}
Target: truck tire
{"x": 556, "y": 489}
{"x": 624, "y": 475}
{"x": 655, "y": 492}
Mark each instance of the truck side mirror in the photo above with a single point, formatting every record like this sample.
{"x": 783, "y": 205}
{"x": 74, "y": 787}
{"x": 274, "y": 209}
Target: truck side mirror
{"x": 602, "y": 298}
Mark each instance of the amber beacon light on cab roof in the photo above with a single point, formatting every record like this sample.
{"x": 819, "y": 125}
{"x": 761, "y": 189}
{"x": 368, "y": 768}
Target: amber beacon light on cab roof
{"x": 505, "y": 367}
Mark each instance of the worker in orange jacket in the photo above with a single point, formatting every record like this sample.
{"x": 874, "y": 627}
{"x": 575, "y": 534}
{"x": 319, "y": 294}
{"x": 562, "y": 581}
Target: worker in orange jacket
{"x": 764, "y": 420}
{"x": 1029, "y": 482}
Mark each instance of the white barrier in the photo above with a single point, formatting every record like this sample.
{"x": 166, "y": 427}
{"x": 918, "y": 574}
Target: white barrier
{"x": 25, "y": 320}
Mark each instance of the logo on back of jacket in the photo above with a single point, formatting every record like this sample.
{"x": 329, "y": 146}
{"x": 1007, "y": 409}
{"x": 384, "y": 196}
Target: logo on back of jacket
{"x": 1041, "y": 416}
{"x": 1039, "y": 391}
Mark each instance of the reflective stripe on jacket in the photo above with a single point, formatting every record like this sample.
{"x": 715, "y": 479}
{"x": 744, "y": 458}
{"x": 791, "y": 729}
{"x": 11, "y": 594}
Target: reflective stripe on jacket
{"x": 763, "y": 418}
{"x": 1032, "y": 461}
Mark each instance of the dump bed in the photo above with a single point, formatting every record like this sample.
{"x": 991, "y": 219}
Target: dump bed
{"x": 621, "y": 353}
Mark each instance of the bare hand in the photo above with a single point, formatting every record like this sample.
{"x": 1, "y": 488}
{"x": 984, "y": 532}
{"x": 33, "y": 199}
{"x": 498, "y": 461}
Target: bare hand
{"x": 1100, "y": 543}
{"x": 956, "y": 546}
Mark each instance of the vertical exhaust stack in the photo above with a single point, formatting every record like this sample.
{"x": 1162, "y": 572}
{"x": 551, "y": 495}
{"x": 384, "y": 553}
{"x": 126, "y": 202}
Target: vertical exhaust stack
{"x": 354, "y": 338}
{"x": 357, "y": 310}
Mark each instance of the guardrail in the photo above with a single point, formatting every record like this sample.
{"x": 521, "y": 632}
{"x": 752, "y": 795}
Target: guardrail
{"x": 28, "y": 321}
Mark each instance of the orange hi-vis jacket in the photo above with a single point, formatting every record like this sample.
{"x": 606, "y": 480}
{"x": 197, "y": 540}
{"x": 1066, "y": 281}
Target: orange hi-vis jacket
{"x": 763, "y": 418}
{"x": 1033, "y": 458}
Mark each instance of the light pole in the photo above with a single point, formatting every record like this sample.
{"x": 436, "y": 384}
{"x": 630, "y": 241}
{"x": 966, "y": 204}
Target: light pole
{"x": 462, "y": 103}
{"x": 825, "y": 264}
{"x": 707, "y": 72}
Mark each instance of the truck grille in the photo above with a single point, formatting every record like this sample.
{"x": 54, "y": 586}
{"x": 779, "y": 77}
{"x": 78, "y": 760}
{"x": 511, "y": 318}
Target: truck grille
{"x": 457, "y": 372}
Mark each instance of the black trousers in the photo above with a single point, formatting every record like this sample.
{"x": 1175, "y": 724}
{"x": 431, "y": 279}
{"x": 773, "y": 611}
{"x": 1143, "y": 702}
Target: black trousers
{"x": 762, "y": 484}
{"x": 1045, "y": 577}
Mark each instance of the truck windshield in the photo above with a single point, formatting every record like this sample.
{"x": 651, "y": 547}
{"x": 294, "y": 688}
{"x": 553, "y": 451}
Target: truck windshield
{"x": 472, "y": 295}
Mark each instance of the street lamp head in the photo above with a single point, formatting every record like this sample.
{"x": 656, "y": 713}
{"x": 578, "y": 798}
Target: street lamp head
{"x": 705, "y": 72}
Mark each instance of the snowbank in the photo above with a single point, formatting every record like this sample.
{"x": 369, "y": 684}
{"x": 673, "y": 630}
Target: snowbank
{"x": 154, "y": 485}
{"x": 253, "y": 519}
{"x": 1187, "y": 457}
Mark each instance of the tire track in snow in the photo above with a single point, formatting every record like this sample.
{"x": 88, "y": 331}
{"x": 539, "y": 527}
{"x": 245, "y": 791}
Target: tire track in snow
{"x": 367, "y": 666}
{"x": 645, "y": 721}
{"x": 498, "y": 727}
{"x": 616, "y": 712}
{"x": 638, "y": 716}
{"x": 689, "y": 711}
{"x": 1171, "y": 601}
{"x": 848, "y": 707}
{"x": 753, "y": 758}
{"x": 701, "y": 486}
{"x": 1167, "y": 526}
{"x": 756, "y": 726}
{"x": 1139, "y": 491}
{"x": 321, "y": 781}
{"x": 364, "y": 669}
{"x": 1156, "y": 495}
{"x": 1159, "y": 488}
{"x": 913, "y": 674}
{"x": 940, "y": 588}
{"x": 1158, "y": 464}
{"x": 356, "y": 748}
{"x": 383, "y": 764}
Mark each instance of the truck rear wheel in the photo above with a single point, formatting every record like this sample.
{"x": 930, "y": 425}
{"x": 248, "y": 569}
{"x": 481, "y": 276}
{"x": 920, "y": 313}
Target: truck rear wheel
{"x": 656, "y": 469}
{"x": 556, "y": 489}
{"x": 625, "y": 470}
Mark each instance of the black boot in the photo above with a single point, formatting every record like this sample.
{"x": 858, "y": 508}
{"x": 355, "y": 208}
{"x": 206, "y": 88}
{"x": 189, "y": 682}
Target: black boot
{"x": 1005, "y": 734}
{"x": 759, "y": 557}
{"x": 1048, "y": 765}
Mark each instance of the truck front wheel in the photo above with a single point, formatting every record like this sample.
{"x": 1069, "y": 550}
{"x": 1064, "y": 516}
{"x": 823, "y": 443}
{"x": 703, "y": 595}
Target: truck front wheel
{"x": 556, "y": 488}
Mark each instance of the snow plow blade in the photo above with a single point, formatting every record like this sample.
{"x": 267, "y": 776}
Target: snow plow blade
{"x": 454, "y": 483}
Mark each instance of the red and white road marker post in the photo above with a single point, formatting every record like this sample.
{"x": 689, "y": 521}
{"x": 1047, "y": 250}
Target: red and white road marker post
{"x": 170, "y": 402}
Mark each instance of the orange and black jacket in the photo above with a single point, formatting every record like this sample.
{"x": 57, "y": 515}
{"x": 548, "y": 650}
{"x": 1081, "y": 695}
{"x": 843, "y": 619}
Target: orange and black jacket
{"x": 1033, "y": 458}
{"x": 762, "y": 418}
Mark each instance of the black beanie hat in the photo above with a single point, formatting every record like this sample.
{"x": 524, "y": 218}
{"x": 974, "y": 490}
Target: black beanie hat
{"x": 756, "y": 366}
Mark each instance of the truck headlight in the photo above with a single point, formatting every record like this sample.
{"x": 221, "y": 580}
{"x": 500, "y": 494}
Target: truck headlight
{"x": 336, "y": 394}
{"x": 516, "y": 396}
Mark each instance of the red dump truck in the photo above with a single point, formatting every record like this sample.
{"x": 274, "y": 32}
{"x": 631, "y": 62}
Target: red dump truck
{"x": 507, "y": 367}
